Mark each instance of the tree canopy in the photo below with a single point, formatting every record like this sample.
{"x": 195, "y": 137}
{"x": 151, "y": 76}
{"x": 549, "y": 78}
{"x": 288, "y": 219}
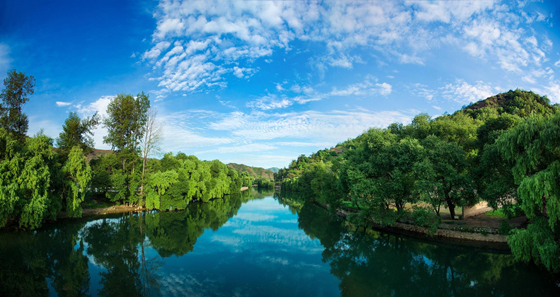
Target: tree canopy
{"x": 17, "y": 88}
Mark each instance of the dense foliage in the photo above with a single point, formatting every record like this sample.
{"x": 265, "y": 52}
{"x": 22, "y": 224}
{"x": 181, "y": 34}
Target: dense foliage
{"x": 504, "y": 150}
{"x": 38, "y": 181}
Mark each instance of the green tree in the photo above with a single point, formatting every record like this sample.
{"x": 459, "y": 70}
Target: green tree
{"x": 26, "y": 171}
{"x": 533, "y": 146}
{"x": 158, "y": 184}
{"x": 17, "y": 87}
{"x": 77, "y": 175}
{"x": 77, "y": 132}
{"x": 126, "y": 124}
{"x": 442, "y": 175}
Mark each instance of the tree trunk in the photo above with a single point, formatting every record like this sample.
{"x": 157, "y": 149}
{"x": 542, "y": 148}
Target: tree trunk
{"x": 451, "y": 207}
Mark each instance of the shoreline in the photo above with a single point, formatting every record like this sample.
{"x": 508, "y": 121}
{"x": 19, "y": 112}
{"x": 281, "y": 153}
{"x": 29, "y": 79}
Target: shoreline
{"x": 444, "y": 235}
{"x": 88, "y": 212}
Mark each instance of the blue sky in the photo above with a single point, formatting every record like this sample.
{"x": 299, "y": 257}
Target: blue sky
{"x": 261, "y": 82}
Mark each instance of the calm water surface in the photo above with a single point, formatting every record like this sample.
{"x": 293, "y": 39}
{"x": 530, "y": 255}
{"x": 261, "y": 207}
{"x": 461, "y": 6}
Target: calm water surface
{"x": 249, "y": 246}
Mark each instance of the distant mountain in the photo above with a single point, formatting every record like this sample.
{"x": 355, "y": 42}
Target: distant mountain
{"x": 256, "y": 172}
{"x": 273, "y": 169}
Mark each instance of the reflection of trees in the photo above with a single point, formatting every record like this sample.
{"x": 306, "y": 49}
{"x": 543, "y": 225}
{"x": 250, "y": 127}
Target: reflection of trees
{"x": 381, "y": 264}
{"x": 118, "y": 245}
{"x": 28, "y": 259}
{"x": 175, "y": 233}
{"x": 113, "y": 245}
{"x": 294, "y": 200}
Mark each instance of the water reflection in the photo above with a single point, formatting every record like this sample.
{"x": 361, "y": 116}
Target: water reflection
{"x": 245, "y": 245}
{"x": 380, "y": 264}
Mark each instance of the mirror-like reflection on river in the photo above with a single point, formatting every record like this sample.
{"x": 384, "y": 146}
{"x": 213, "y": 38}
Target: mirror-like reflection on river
{"x": 251, "y": 244}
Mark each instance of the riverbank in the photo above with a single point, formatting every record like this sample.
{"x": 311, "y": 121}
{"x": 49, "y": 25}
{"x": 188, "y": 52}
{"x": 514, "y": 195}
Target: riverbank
{"x": 444, "y": 233}
{"x": 87, "y": 212}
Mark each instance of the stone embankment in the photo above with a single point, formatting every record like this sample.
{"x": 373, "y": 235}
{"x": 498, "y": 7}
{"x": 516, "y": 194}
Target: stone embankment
{"x": 444, "y": 232}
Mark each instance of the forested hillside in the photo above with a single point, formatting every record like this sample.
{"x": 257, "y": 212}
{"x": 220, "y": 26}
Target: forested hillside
{"x": 255, "y": 172}
{"x": 504, "y": 150}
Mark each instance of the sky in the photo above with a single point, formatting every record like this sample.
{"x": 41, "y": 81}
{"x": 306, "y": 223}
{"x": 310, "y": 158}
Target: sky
{"x": 262, "y": 82}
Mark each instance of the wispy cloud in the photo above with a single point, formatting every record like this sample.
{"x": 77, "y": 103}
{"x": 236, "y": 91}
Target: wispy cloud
{"x": 334, "y": 126}
{"x": 197, "y": 43}
{"x": 305, "y": 94}
{"x": 62, "y": 104}
{"x": 253, "y": 147}
{"x": 463, "y": 92}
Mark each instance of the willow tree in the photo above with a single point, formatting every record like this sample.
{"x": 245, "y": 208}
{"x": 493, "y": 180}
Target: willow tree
{"x": 158, "y": 184}
{"x": 77, "y": 175}
{"x": 26, "y": 176}
{"x": 533, "y": 146}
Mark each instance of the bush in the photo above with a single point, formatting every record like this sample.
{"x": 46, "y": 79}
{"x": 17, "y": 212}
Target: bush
{"x": 504, "y": 228}
{"x": 424, "y": 217}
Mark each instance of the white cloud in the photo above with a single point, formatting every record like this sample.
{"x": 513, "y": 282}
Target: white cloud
{"x": 270, "y": 102}
{"x": 463, "y": 92}
{"x": 332, "y": 127}
{"x": 384, "y": 88}
{"x": 62, "y": 104}
{"x": 99, "y": 106}
{"x": 253, "y": 147}
{"x": 309, "y": 144}
{"x": 241, "y": 72}
{"x": 179, "y": 132}
{"x": 213, "y": 38}
{"x": 553, "y": 92}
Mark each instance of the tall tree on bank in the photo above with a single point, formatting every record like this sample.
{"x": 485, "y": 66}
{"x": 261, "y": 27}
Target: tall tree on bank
{"x": 17, "y": 86}
{"x": 153, "y": 135}
{"x": 126, "y": 124}
{"x": 77, "y": 132}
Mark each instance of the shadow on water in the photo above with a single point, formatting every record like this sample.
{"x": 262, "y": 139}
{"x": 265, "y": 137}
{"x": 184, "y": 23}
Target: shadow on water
{"x": 56, "y": 260}
{"x": 383, "y": 264}
{"x": 136, "y": 254}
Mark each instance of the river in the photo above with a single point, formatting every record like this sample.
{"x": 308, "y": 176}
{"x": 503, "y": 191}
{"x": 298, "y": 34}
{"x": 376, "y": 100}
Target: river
{"x": 250, "y": 245}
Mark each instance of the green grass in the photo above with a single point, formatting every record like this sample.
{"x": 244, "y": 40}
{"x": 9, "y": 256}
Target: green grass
{"x": 497, "y": 214}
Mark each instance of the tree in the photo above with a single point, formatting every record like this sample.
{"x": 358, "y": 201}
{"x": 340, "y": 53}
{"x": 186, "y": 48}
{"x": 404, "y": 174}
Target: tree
{"x": 77, "y": 175}
{"x": 77, "y": 132}
{"x": 442, "y": 175}
{"x": 533, "y": 146}
{"x": 152, "y": 137}
{"x": 17, "y": 87}
{"x": 159, "y": 183}
{"x": 126, "y": 124}
{"x": 26, "y": 176}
